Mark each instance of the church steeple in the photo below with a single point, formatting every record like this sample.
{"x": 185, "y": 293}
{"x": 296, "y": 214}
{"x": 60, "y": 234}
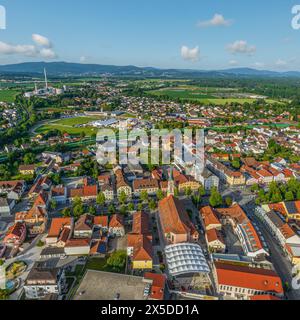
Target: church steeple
{"x": 171, "y": 184}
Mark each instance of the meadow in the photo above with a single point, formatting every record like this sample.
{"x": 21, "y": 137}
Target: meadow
{"x": 7, "y": 95}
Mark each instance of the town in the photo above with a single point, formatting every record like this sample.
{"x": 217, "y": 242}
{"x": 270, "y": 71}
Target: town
{"x": 74, "y": 229}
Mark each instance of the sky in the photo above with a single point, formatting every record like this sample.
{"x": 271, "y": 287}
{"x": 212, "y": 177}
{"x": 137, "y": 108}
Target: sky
{"x": 190, "y": 34}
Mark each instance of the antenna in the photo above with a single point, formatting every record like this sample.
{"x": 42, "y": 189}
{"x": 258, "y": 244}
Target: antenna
{"x": 46, "y": 81}
{"x": 35, "y": 87}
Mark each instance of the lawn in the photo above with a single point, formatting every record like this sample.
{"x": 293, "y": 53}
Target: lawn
{"x": 8, "y": 95}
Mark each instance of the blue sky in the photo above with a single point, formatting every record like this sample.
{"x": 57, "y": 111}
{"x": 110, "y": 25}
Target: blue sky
{"x": 158, "y": 33}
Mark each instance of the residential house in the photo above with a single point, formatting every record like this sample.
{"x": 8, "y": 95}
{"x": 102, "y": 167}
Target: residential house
{"x": 6, "y": 206}
{"x": 116, "y": 226}
{"x": 59, "y": 195}
{"x": 121, "y": 185}
{"x": 16, "y": 235}
{"x": 84, "y": 227}
{"x": 150, "y": 186}
{"x": 27, "y": 170}
{"x": 78, "y": 247}
{"x": 60, "y": 231}
{"x": 44, "y": 280}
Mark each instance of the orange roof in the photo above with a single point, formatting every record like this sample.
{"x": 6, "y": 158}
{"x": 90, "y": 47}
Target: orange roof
{"x": 173, "y": 216}
{"x": 116, "y": 221}
{"x": 142, "y": 250}
{"x": 287, "y": 231}
{"x": 245, "y": 277}
{"x": 214, "y": 235}
{"x": 101, "y": 221}
{"x": 234, "y": 212}
{"x": 209, "y": 216}
{"x": 78, "y": 243}
{"x": 278, "y": 207}
{"x": 140, "y": 223}
{"x": 266, "y": 297}
{"x": 57, "y": 225}
{"x": 158, "y": 285}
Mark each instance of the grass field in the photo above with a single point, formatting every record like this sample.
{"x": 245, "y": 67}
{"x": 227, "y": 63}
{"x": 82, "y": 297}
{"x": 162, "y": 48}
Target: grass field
{"x": 8, "y": 95}
{"x": 69, "y": 126}
{"x": 203, "y": 95}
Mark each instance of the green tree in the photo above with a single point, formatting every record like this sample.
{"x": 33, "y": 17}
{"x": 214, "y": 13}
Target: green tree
{"x": 111, "y": 209}
{"x": 160, "y": 195}
{"x": 117, "y": 261}
{"x": 188, "y": 192}
{"x": 144, "y": 196}
{"x": 123, "y": 197}
{"x": 289, "y": 196}
{"x": 53, "y": 204}
{"x": 101, "y": 199}
{"x": 4, "y": 295}
{"x": 215, "y": 199}
{"x": 152, "y": 205}
{"x": 228, "y": 201}
{"x": 29, "y": 158}
{"x": 92, "y": 210}
{"x": 131, "y": 207}
{"x": 66, "y": 212}
{"x": 140, "y": 207}
{"x": 202, "y": 191}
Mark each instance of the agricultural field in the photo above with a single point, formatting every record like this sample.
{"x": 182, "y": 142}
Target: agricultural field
{"x": 7, "y": 95}
{"x": 205, "y": 95}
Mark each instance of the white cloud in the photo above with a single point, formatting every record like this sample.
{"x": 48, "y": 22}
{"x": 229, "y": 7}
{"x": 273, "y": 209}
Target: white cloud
{"x": 258, "y": 65}
{"x": 42, "y": 48}
{"x": 233, "y": 62}
{"x": 41, "y": 40}
{"x": 216, "y": 21}
{"x": 26, "y": 50}
{"x": 242, "y": 47}
{"x": 281, "y": 63}
{"x": 48, "y": 53}
{"x": 82, "y": 59}
{"x": 192, "y": 54}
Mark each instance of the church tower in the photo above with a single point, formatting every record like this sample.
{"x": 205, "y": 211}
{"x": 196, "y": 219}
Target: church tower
{"x": 171, "y": 184}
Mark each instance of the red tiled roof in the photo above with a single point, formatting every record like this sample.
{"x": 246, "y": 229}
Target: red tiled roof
{"x": 252, "y": 278}
{"x": 116, "y": 221}
{"x": 101, "y": 221}
{"x": 57, "y": 225}
{"x": 158, "y": 285}
{"x": 209, "y": 216}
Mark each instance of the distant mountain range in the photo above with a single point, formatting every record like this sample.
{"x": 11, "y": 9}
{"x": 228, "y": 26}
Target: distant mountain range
{"x": 77, "y": 69}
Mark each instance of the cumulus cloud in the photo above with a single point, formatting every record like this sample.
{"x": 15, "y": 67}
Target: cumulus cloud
{"x": 281, "y": 63}
{"x": 258, "y": 64}
{"x": 42, "y": 48}
{"x": 82, "y": 59}
{"x": 242, "y": 47}
{"x": 9, "y": 49}
{"x": 190, "y": 54}
{"x": 41, "y": 40}
{"x": 233, "y": 63}
{"x": 216, "y": 21}
{"x": 48, "y": 53}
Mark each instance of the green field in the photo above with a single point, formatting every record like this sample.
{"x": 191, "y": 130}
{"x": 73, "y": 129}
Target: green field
{"x": 8, "y": 95}
{"x": 203, "y": 95}
{"x": 69, "y": 126}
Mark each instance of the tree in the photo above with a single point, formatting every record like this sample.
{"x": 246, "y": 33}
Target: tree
{"x": 215, "y": 199}
{"x": 152, "y": 205}
{"x": 228, "y": 201}
{"x": 101, "y": 199}
{"x": 123, "y": 197}
{"x": 140, "y": 207}
{"x": 111, "y": 209}
{"x": 202, "y": 191}
{"x": 131, "y": 207}
{"x": 117, "y": 261}
{"x": 29, "y": 158}
{"x": 66, "y": 212}
{"x": 289, "y": 196}
{"x": 160, "y": 195}
{"x": 188, "y": 192}
{"x": 4, "y": 295}
{"x": 123, "y": 210}
{"x": 176, "y": 193}
{"x": 53, "y": 204}
{"x": 144, "y": 196}
{"x": 236, "y": 163}
{"x": 92, "y": 210}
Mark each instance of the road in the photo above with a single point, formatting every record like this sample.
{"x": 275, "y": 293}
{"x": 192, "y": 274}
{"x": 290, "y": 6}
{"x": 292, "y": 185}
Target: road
{"x": 279, "y": 259}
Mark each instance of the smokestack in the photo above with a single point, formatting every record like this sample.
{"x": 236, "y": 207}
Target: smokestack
{"x": 46, "y": 81}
